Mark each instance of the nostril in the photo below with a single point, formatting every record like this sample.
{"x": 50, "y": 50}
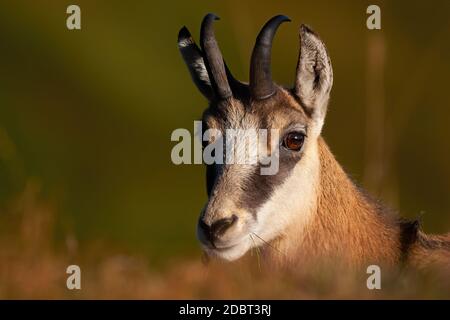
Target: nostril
{"x": 219, "y": 227}
{"x": 205, "y": 228}
{"x": 206, "y": 231}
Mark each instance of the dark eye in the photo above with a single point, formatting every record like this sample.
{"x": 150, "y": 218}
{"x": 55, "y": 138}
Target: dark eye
{"x": 294, "y": 140}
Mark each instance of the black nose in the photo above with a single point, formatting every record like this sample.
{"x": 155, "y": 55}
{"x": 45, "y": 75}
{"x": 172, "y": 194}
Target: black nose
{"x": 218, "y": 228}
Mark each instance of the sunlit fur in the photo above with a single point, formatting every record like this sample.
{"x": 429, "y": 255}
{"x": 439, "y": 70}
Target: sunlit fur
{"x": 310, "y": 210}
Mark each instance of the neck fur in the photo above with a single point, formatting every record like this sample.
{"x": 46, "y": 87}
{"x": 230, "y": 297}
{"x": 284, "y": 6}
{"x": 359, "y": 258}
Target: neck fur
{"x": 344, "y": 223}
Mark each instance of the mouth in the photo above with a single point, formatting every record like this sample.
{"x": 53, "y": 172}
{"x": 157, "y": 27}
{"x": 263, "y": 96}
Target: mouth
{"x": 218, "y": 248}
{"x": 228, "y": 252}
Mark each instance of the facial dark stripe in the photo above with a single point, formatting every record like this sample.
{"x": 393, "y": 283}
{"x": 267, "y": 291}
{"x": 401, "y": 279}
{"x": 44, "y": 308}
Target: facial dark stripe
{"x": 253, "y": 190}
{"x": 210, "y": 178}
{"x": 259, "y": 188}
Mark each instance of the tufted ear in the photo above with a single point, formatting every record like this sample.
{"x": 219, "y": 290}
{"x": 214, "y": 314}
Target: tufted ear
{"x": 314, "y": 77}
{"x": 193, "y": 58}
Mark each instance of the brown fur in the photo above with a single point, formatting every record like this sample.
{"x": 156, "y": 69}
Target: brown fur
{"x": 335, "y": 220}
{"x": 351, "y": 228}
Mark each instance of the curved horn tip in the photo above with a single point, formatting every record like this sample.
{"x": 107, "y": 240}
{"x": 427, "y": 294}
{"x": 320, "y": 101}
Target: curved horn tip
{"x": 279, "y": 19}
{"x": 211, "y": 16}
{"x": 283, "y": 17}
{"x": 207, "y": 28}
{"x": 213, "y": 57}
{"x": 261, "y": 84}
{"x": 273, "y": 23}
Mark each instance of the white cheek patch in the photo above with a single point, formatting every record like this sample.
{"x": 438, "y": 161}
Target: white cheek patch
{"x": 292, "y": 203}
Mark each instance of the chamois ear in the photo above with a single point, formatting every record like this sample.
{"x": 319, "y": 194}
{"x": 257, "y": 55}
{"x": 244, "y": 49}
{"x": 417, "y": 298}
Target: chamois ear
{"x": 314, "y": 77}
{"x": 193, "y": 58}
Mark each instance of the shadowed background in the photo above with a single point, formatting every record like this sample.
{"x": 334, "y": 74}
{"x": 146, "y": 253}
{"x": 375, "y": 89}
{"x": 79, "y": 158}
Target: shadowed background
{"x": 87, "y": 115}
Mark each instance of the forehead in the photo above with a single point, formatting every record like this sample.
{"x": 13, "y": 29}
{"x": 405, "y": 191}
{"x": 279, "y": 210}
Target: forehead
{"x": 277, "y": 112}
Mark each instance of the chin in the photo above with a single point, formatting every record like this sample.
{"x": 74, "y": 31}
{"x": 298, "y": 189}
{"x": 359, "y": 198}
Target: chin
{"x": 231, "y": 253}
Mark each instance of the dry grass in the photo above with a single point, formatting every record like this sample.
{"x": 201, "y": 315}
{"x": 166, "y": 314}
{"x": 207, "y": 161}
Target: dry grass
{"x": 32, "y": 267}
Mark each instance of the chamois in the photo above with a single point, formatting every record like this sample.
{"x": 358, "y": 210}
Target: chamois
{"x": 310, "y": 208}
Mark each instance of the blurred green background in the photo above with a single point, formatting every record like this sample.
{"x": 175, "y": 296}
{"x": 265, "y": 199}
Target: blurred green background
{"x": 89, "y": 113}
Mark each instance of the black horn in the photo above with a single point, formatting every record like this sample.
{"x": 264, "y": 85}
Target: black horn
{"x": 214, "y": 61}
{"x": 261, "y": 85}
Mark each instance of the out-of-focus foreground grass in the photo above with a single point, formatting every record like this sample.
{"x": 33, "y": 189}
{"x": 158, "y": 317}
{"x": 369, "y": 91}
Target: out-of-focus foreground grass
{"x": 88, "y": 115}
{"x": 35, "y": 268}
{"x": 90, "y": 112}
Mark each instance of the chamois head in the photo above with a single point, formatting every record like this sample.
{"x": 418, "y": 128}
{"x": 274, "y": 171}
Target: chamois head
{"x": 245, "y": 207}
